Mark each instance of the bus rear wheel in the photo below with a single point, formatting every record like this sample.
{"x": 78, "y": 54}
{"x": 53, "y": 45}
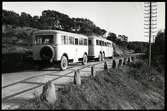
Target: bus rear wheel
{"x": 63, "y": 63}
{"x": 85, "y": 59}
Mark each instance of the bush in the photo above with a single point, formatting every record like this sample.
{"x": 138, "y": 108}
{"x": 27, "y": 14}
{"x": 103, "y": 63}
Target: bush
{"x": 12, "y": 62}
{"x": 137, "y": 65}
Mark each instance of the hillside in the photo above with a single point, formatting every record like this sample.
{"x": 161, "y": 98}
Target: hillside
{"x": 129, "y": 87}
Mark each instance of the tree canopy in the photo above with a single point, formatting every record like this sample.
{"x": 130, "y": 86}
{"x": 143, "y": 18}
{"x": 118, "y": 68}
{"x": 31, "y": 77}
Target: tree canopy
{"x": 51, "y": 19}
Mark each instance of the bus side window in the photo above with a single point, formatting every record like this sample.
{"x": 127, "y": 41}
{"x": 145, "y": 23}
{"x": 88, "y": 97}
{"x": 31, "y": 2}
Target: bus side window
{"x": 76, "y": 41}
{"x": 90, "y": 42}
{"x": 85, "y": 41}
{"x": 71, "y": 40}
{"x": 64, "y": 39}
{"x": 105, "y": 43}
{"x": 100, "y": 42}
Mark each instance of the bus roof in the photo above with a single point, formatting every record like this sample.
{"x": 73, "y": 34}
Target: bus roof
{"x": 58, "y": 31}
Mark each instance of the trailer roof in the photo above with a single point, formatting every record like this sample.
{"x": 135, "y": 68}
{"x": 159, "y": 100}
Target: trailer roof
{"x": 99, "y": 38}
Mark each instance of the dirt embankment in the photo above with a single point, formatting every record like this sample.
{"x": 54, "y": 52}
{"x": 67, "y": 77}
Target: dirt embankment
{"x": 120, "y": 50}
{"x": 129, "y": 87}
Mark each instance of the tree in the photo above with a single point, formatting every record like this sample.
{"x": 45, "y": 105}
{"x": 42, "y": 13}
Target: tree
{"x": 55, "y": 20}
{"x": 51, "y": 19}
{"x": 138, "y": 47}
{"x": 160, "y": 42}
{"x": 25, "y": 19}
{"x": 36, "y": 22}
{"x": 111, "y": 36}
{"x": 10, "y": 17}
{"x": 158, "y": 48}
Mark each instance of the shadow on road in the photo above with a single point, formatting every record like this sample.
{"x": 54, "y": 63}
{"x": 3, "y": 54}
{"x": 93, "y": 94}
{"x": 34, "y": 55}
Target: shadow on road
{"x": 15, "y": 102}
{"x": 31, "y": 66}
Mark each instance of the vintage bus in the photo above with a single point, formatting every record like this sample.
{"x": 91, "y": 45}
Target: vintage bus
{"x": 99, "y": 48}
{"x": 60, "y": 47}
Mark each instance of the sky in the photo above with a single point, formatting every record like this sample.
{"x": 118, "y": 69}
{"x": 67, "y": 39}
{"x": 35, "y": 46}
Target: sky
{"x": 124, "y": 18}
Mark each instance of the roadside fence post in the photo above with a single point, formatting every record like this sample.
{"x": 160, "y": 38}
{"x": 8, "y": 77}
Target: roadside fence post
{"x": 77, "y": 78}
{"x": 93, "y": 73}
{"x": 105, "y": 66}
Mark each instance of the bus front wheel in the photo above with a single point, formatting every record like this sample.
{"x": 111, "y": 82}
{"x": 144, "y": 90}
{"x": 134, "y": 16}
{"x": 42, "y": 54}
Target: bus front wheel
{"x": 63, "y": 63}
{"x": 85, "y": 59}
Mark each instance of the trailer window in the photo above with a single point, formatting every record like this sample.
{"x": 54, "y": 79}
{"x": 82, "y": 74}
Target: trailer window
{"x": 102, "y": 43}
{"x": 76, "y": 41}
{"x": 90, "y": 42}
{"x": 97, "y": 42}
{"x": 85, "y": 41}
{"x": 81, "y": 41}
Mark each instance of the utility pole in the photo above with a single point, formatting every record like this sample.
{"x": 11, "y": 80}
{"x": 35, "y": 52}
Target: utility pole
{"x": 151, "y": 14}
{"x": 150, "y": 38}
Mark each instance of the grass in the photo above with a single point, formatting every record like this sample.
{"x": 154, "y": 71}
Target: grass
{"x": 127, "y": 87}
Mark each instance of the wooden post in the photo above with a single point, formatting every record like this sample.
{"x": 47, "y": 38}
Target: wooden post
{"x": 49, "y": 93}
{"x": 134, "y": 58}
{"x": 119, "y": 64}
{"x": 93, "y": 73}
{"x": 105, "y": 66}
{"x": 124, "y": 61}
{"x": 115, "y": 63}
{"x": 77, "y": 78}
{"x": 129, "y": 59}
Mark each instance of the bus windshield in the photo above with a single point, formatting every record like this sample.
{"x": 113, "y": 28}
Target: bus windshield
{"x": 43, "y": 39}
